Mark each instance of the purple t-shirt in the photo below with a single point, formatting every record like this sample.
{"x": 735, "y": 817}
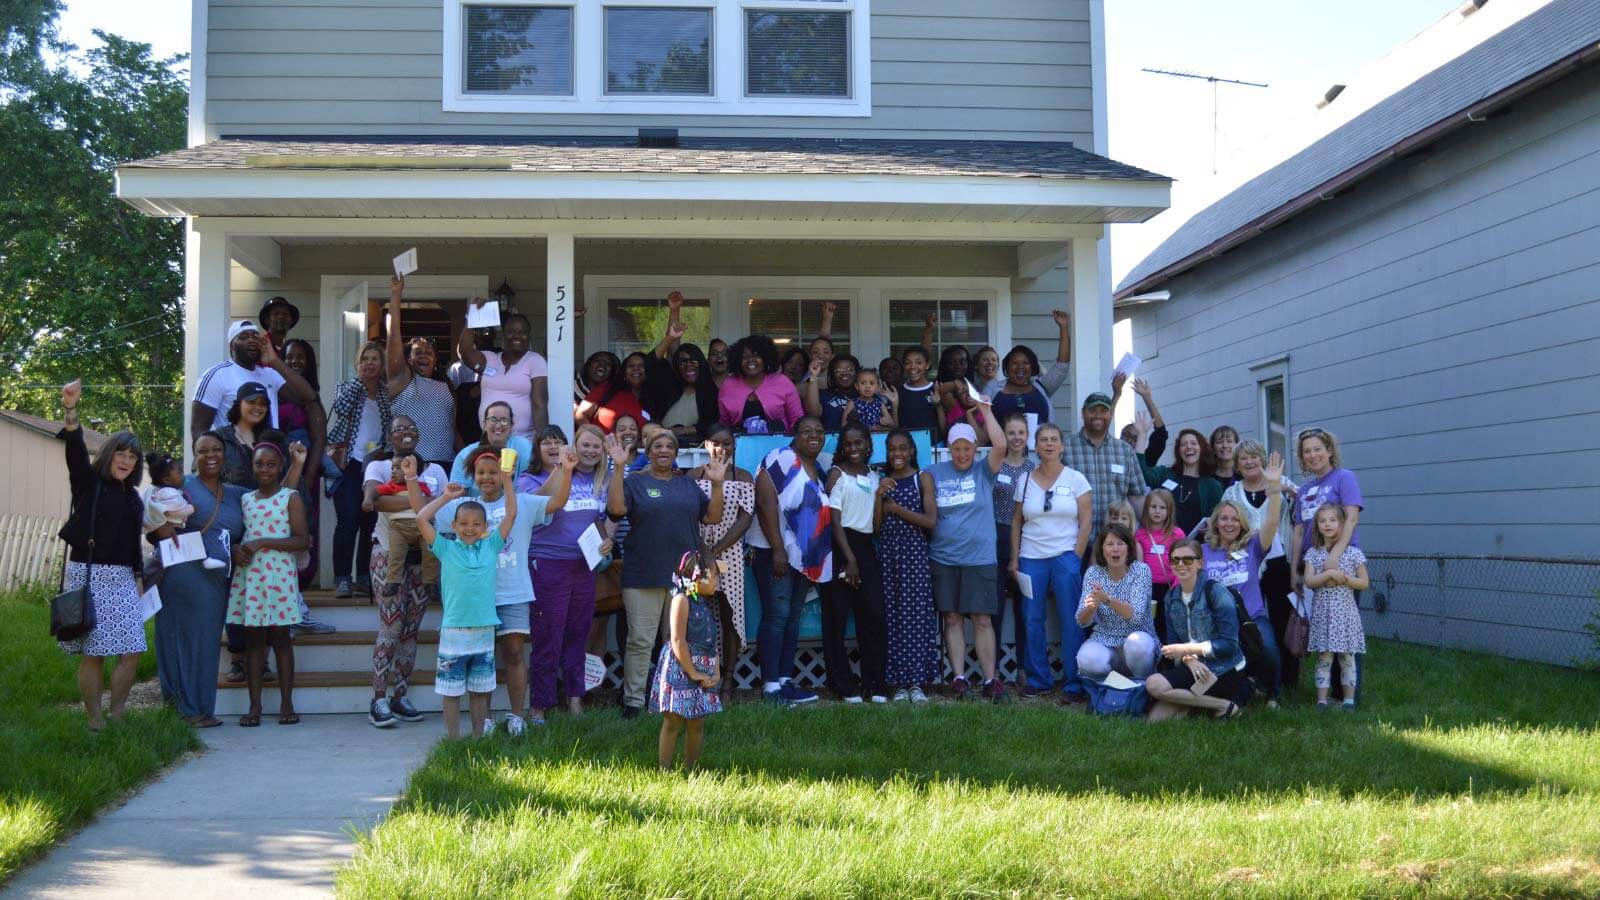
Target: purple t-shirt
{"x": 1241, "y": 570}
{"x": 1338, "y": 486}
{"x": 559, "y": 539}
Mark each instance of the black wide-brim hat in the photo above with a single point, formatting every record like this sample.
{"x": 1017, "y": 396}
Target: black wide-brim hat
{"x": 294, "y": 311}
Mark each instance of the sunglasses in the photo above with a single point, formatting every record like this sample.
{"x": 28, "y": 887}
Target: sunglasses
{"x": 1049, "y": 499}
{"x": 1185, "y": 560}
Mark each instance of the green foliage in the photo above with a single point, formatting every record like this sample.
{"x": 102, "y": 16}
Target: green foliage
{"x": 56, "y": 773}
{"x": 1446, "y": 783}
{"x": 89, "y": 287}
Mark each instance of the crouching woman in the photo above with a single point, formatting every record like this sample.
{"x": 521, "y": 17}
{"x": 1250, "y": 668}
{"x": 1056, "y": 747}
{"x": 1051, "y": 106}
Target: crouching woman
{"x": 1203, "y": 667}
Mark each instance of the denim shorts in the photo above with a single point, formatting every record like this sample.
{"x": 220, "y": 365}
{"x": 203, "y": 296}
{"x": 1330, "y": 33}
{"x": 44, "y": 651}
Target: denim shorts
{"x": 466, "y": 662}
{"x": 514, "y": 618}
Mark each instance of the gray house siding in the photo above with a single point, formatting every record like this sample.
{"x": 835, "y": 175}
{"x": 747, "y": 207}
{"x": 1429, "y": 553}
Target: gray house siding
{"x": 1009, "y": 69}
{"x": 1443, "y": 320}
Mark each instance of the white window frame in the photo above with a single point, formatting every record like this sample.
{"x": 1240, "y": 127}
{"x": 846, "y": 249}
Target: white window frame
{"x": 727, "y": 64}
{"x": 1274, "y": 370}
{"x": 730, "y": 319}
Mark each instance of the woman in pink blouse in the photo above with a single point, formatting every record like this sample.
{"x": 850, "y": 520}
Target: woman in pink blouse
{"x": 757, "y": 398}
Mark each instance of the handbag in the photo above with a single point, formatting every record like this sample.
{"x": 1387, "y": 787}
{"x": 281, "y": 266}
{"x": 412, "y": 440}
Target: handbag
{"x": 1297, "y": 631}
{"x": 72, "y": 612}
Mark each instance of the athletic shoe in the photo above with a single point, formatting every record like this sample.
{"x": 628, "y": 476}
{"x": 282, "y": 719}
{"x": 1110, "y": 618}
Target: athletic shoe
{"x": 959, "y": 688}
{"x": 900, "y": 696}
{"x": 994, "y": 690}
{"x": 403, "y": 710}
{"x": 535, "y": 720}
{"x": 776, "y": 696}
{"x": 309, "y": 625}
{"x": 1074, "y": 699}
{"x": 794, "y": 693}
{"x": 514, "y": 725}
{"x": 630, "y": 712}
{"x": 488, "y": 727}
{"x": 879, "y": 698}
{"x": 917, "y": 696}
{"x": 363, "y": 587}
{"x": 236, "y": 674}
{"x": 1348, "y": 706}
{"x": 853, "y": 698}
{"x": 341, "y": 588}
{"x": 1028, "y": 690}
{"x": 379, "y": 715}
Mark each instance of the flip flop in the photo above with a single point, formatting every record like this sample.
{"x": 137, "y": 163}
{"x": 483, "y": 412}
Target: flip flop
{"x": 207, "y": 722}
{"x": 250, "y": 720}
{"x": 1230, "y": 712}
{"x": 290, "y": 719}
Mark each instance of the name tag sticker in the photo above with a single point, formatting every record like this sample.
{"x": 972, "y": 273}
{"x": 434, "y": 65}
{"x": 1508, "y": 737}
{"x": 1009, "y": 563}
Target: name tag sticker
{"x": 1235, "y": 578}
{"x": 1158, "y": 549}
{"x": 1169, "y": 484}
{"x": 1238, "y": 554}
{"x": 489, "y": 372}
{"x": 1003, "y": 478}
{"x": 1118, "y": 468}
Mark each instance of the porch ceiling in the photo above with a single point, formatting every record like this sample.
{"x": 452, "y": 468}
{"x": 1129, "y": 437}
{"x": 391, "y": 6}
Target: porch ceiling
{"x": 707, "y": 179}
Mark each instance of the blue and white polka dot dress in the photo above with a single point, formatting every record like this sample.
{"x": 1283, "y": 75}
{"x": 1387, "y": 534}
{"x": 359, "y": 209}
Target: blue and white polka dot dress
{"x": 908, "y": 593}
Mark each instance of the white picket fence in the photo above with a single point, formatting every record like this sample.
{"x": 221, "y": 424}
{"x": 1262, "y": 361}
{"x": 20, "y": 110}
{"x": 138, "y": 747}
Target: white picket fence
{"x": 30, "y": 552}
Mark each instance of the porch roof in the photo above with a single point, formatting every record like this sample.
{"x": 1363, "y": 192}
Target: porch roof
{"x": 613, "y": 177}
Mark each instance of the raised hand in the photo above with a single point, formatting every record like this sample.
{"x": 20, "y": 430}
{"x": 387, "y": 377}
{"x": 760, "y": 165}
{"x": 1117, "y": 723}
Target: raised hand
{"x": 397, "y": 285}
{"x": 408, "y": 466}
{"x": 479, "y": 301}
{"x": 578, "y": 311}
{"x": 1117, "y": 381}
{"x": 676, "y": 330}
{"x": 1274, "y": 470}
{"x": 930, "y": 320}
{"x": 617, "y": 452}
{"x": 816, "y": 368}
{"x": 71, "y": 393}
{"x": 675, "y": 300}
{"x": 1143, "y": 422}
{"x": 1062, "y": 317}
{"x": 454, "y": 490}
{"x": 829, "y": 307}
{"x": 269, "y": 353}
{"x": 1142, "y": 388}
{"x": 569, "y": 458}
{"x": 717, "y": 468}
{"x": 297, "y": 452}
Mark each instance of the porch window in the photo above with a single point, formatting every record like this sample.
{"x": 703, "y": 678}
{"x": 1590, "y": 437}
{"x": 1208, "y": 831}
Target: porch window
{"x": 794, "y": 322}
{"x": 957, "y": 322}
{"x": 637, "y": 325}
{"x": 658, "y": 50}
{"x": 1274, "y": 410}
{"x": 517, "y": 50}
{"x": 794, "y": 53}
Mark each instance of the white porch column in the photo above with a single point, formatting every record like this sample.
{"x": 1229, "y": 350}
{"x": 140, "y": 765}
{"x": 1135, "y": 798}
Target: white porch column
{"x": 1091, "y": 323}
{"x": 560, "y": 327}
{"x": 205, "y": 312}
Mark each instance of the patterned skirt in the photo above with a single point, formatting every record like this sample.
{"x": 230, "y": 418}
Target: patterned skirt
{"x": 119, "y": 628}
{"x": 673, "y": 691}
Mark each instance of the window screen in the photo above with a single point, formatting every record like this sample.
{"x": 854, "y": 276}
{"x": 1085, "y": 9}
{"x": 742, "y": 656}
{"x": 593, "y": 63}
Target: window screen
{"x": 658, "y": 50}
{"x": 797, "y": 54}
{"x": 793, "y": 323}
{"x": 518, "y": 50}
{"x": 957, "y": 322}
{"x": 1274, "y": 417}
{"x": 638, "y": 325}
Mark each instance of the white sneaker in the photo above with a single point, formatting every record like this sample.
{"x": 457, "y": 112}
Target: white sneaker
{"x": 514, "y": 725}
{"x": 853, "y": 699}
{"x": 917, "y": 696}
{"x": 879, "y": 698}
{"x": 902, "y": 696}
{"x": 488, "y": 727}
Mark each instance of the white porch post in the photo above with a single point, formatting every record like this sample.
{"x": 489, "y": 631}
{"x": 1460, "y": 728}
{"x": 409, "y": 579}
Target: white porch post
{"x": 1091, "y": 323}
{"x": 560, "y": 327}
{"x": 205, "y": 312}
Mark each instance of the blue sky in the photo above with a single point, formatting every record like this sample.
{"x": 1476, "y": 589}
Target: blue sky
{"x": 1299, "y": 47}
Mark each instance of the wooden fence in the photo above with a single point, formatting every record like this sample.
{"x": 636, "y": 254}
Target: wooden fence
{"x": 30, "y": 552}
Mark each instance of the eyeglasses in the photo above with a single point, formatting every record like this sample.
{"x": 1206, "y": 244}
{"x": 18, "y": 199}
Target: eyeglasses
{"x": 497, "y": 420}
{"x": 403, "y": 429}
{"x": 1185, "y": 560}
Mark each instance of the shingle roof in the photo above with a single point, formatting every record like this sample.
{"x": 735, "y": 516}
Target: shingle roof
{"x": 694, "y": 156}
{"x": 91, "y": 439}
{"x": 1523, "y": 50}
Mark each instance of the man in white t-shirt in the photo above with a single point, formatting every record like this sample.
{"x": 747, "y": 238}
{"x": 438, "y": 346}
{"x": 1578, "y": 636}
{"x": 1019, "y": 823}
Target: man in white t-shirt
{"x": 252, "y": 358}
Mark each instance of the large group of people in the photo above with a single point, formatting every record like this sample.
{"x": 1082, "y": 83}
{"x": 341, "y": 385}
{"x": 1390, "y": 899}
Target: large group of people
{"x": 1179, "y": 576}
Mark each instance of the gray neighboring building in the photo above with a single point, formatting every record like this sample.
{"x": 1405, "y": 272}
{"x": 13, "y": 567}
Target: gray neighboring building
{"x": 1424, "y": 282}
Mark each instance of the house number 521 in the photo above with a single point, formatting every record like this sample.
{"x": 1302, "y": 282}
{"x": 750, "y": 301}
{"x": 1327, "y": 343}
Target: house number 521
{"x": 561, "y": 312}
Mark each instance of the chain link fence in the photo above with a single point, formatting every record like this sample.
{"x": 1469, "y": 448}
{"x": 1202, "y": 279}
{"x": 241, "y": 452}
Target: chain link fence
{"x": 1544, "y": 610}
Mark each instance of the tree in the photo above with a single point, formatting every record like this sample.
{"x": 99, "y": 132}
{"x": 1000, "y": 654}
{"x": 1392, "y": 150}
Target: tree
{"x": 89, "y": 287}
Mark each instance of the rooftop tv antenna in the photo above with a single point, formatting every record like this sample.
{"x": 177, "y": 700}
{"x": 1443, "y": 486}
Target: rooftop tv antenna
{"x": 1215, "y": 80}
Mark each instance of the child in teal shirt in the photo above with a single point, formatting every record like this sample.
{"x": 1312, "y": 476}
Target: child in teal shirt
{"x": 467, "y": 568}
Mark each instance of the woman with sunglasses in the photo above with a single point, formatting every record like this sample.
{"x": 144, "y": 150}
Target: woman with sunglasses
{"x": 1203, "y": 666}
{"x": 1051, "y": 521}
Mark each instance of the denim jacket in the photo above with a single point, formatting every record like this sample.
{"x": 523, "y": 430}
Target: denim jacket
{"x": 1213, "y": 618}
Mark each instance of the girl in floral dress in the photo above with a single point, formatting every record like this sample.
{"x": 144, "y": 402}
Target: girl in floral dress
{"x": 903, "y": 525}
{"x": 687, "y": 673}
{"x": 1335, "y": 619}
{"x": 725, "y": 544}
{"x": 265, "y": 597}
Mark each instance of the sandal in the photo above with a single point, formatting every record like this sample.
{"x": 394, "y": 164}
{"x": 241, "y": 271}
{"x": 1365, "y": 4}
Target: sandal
{"x": 206, "y": 722}
{"x": 289, "y": 719}
{"x": 250, "y": 720}
{"x": 1230, "y": 712}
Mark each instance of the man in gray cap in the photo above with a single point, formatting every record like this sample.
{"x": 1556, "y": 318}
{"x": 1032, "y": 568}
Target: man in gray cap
{"x": 1111, "y": 466}
{"x": 251, "y": 358}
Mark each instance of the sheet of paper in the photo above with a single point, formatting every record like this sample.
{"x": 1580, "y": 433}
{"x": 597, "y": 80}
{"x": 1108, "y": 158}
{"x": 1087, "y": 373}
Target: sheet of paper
{"x": 594, "y": 671}
{"x": 186, "y": 547}
{"x": 1117, "y": 681}
{"x": 1033, "y": 426}
{"x": 1025, "y": 585}
{"x": 1127, "y": 365}
{"x": 406, "y": 263}
{"x": 974, "y": 393}
{"x": 589, "y": 542}
{"x": 149, "y": 603}
{"x": 485, "y": 316}
{"x": 1302, "y": 603}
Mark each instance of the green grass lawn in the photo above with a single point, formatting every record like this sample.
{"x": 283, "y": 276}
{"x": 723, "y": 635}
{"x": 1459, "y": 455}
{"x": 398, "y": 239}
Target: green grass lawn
{"x": 1462, "y": 774}
{"x": 54, "y": 774}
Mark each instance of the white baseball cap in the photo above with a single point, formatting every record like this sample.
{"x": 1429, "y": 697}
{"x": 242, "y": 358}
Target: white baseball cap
{"x": 240, "y": 327}
{"x": 961, "y": 431}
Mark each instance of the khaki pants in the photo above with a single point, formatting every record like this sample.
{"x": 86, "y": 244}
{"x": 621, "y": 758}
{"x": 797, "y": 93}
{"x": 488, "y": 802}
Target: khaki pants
{"x": 403, "y": 535}
{"x": 646, "y": 609}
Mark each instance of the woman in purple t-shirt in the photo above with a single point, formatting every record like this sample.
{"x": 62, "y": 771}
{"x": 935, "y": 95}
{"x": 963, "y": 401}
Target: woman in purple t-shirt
{"x": 1233, "y": 555}
{"x": 1319, "y": 457}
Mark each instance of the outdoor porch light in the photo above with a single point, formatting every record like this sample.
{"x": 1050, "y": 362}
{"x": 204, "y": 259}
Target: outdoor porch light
{"x": 504, "y": 294}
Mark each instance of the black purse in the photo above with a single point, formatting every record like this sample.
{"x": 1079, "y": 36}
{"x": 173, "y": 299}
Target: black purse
{"x": 72, "y": 612}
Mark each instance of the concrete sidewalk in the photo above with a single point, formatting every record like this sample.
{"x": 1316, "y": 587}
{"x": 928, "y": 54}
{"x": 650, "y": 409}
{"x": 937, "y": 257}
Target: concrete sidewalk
{"x": 267, "y": 811}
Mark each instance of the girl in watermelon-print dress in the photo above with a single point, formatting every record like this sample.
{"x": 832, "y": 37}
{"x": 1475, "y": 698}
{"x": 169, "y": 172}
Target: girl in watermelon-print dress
{"x": 265, "y": 597}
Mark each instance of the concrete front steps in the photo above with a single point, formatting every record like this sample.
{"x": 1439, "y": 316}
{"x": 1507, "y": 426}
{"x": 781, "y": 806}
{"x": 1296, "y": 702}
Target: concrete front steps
{"x": 333, "y": 672}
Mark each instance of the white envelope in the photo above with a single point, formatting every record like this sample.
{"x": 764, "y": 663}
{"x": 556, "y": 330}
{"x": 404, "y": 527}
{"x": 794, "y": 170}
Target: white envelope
{"x": 589, "y": 542}
{"x": 485, "y": 316}
{"x": 1025, "y": 585}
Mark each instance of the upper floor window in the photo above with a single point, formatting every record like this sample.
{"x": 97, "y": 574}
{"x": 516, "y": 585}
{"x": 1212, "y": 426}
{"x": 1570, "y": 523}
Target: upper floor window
{"x": 679, "y": 57}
